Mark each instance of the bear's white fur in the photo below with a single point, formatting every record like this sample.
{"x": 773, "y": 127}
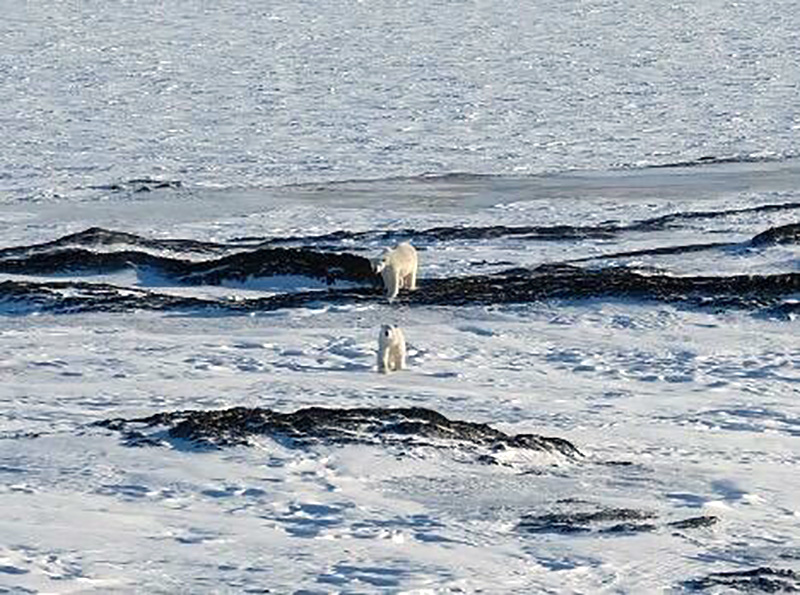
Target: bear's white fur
{"x": 391, "y": 349}
{"x": 398, "y": 267}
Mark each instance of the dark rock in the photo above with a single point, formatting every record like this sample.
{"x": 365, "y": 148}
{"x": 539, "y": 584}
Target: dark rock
{"x": 421, "y": 237}
{"x": 718, "y": 160}
{"x": 580, "y": 516}
{"x": 669, "y": 220}
{"x": 628, "y": 528}
{"x": 74, "y": 253}
{"x": 662, "y": 251}
{"x": 694, "y": 522}
{"x": 97, "y": 237}
{"x": 18, "y": 435}
{"x": 577, "y": 521}
{"x": 140, "y": 185}
{"x": 787, "y": 310}
{"x": 21, "y": 297}
{"x": 785, "y": 234}
{"x": 67, "y": 296}
{"x": 566, "y": 282}
{"x": 380, "y": 426}
{"x": 757, "y": 580}
{"x": 556, "y": 233}
{"x": 78, "y": 260}
{"x": 269, "y": 262}
{"x": 768, "y": 293}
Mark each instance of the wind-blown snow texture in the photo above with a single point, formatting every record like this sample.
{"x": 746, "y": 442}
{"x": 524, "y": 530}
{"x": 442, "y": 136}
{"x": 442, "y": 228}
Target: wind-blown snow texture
{"x": 603, "y": 392}
{"x": 657, "y": 349}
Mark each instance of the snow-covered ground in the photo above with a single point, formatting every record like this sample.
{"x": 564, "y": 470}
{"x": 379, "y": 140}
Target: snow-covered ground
{"x": 681, "y": 412}
{"x": 657, "y": 136}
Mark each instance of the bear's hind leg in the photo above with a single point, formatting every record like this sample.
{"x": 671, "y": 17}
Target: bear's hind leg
{"x": 411, "y": 280}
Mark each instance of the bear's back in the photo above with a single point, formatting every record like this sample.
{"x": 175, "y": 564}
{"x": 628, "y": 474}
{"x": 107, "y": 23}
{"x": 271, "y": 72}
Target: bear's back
{"x": 405, "y": 253}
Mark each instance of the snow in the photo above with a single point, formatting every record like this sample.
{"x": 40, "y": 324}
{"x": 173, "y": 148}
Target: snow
{"x": 697, "y": 410}
{"x": 239, "y": 123}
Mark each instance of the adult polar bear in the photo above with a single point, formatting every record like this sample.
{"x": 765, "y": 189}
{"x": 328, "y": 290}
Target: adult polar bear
{"x": 391, "y": 349}
{"x": 398, "y": 267}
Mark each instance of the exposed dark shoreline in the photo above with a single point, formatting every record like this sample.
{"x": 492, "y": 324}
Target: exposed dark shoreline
{"x": 348, "y": 278}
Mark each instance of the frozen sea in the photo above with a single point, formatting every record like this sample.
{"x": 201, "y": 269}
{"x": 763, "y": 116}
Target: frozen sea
{"x": 654, "y": 147}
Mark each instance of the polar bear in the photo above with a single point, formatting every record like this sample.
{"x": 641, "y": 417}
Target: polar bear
{"x": 391, "y": 349}
{"x": 398, "y": 268}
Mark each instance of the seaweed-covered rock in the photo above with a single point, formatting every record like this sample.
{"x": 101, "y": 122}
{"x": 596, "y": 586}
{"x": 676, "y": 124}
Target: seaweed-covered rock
{"x": 611, "y": 520}
{"x": 554, "y": 233}
{"x": 695, "y": 522}
{"x": 97, "y": 250}
{"x": 83, "y": 261}
{"x": 414, "y": 426}
{"x": 98, "y": 238}
{"x": 578, "y": 516}
{"x": 138, "y": 185}
{"x": 757, "y": 580}
{"x": 101, "y": 251}
{"x": 770, "y": 293}
{"x": 23, "y": 297}
{"x": 785, "y": 234}
{"x": 568, "y": 282}
{"x": 660, "y": 251}
{"x": 670, "y": 220}
{"x": 329, "y": 267}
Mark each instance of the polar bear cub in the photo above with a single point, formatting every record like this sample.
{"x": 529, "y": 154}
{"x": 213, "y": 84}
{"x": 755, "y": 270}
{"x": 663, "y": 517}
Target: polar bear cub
{"x": 398, "y": 267}
{"x": 391, "y": 349}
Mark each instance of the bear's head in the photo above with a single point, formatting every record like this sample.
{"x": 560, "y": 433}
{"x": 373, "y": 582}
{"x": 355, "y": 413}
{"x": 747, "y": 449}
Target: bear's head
{"x": 389, "y": 333}
{"x": 382, "y": 261}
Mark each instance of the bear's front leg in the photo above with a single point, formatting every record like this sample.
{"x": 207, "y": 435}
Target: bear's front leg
{"x": 399, "y": 359}
{"x": 392, "y": 282}
{"x": 383, "y": 361}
